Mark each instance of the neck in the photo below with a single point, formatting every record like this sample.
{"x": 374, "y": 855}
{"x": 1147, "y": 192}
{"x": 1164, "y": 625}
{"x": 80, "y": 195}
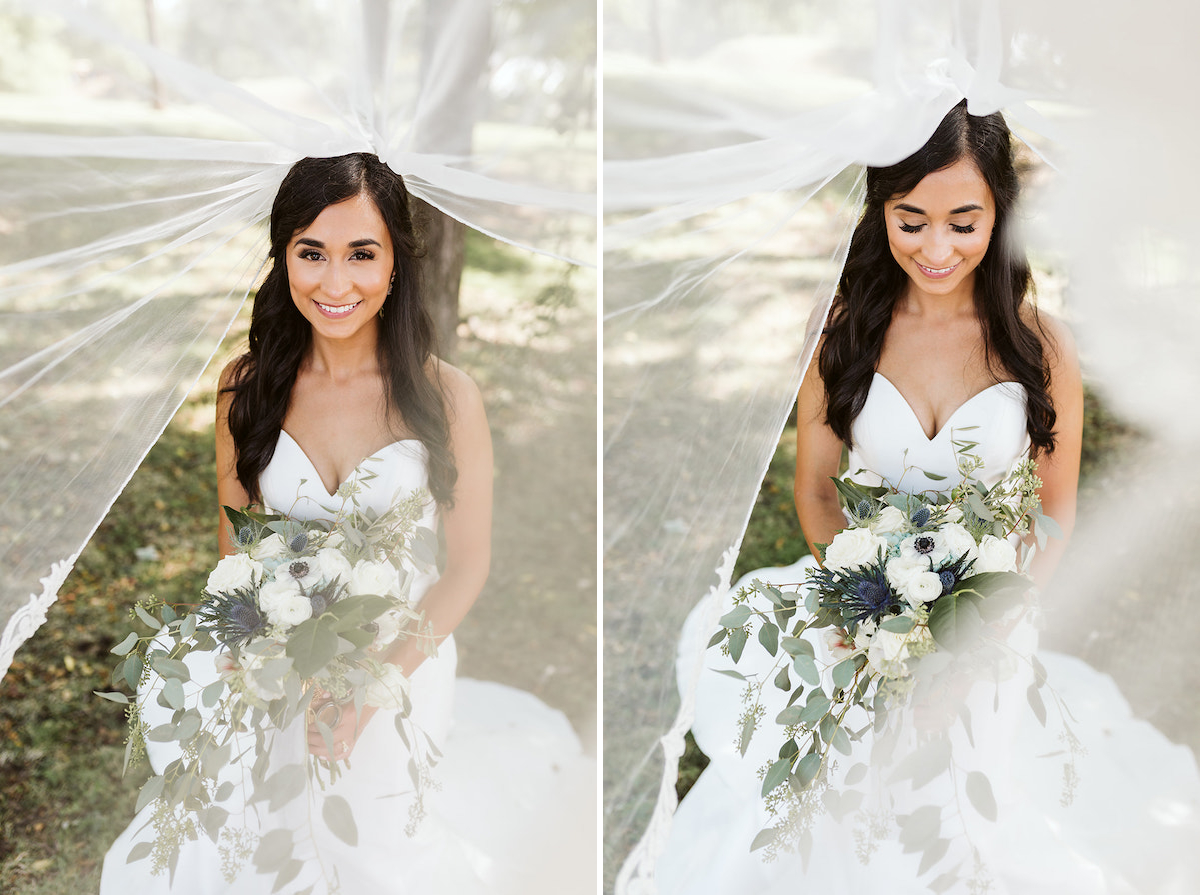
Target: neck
{"x": 949, "y": 306}
{"x": 343, "y": 359}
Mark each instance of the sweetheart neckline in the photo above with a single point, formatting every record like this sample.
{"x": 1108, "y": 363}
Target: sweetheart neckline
{"x": 357, "y": 465}
{"x": 945, "y": 425}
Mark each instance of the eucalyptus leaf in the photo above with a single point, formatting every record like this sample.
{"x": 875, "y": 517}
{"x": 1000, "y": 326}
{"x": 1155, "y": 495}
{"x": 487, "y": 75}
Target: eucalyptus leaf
{"x": 290, "y": 870}
{"x": 897, "y": 624}
{"x": 979, "y": 791}
{"x": 807, "y": 669}
{"x": 735, "y": 617}
{"x": 807, "y": 768}
{"x": 924, "y": 763}
{"x": 210, "y": 695}
{"x": 139, "y": 851}
{"x": 150, "y": 791}
{"x": 173, "y": 693}
{"x": 1035, "y": 703}
{"x": 798, "y": 646}
{"x": 746, "y": 733}
{"x": 818, "y": 704}
{"x": 920, "y": 828}
{"x": 146, "y": 618}
{"x": 841, "y": 741}
{"x": 776, "y": 774}
{"x": 171, "y": 668}
{"x": 340, "y": 819}
{"x": 311, "y": 646}
{"x": 133, "y": 670}
{"x": 274, "y": 850}
{"x": 737, "y": 642}
{"x": 768, "y": 636}
{"x": 782, "y": 681}
{"x": 729, "y": 672}
{"x": 843, "y": 672}
{"x": 188, "y": 727}
{"x": 717, "y": 638}
{"x": 188, "y": 628}
{"x": 789, "y": 716}
{"x": 113, "y": 696}
{"x": 856, "y": 774}
{"x": 123, "y": 648}
{"x": 764, "y": 838}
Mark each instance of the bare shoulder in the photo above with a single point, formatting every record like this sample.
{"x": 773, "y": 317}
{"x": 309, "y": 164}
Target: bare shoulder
{"x": 463, "y": 399}
{"x": 1057, "y": 339}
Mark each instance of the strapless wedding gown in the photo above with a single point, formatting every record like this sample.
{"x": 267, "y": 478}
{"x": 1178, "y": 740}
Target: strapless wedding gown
{"x": 512, "y": 806}
{"x": 1133, "y": 825}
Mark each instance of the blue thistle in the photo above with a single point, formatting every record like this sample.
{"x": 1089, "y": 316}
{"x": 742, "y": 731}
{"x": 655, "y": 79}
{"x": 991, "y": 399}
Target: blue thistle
{"x": 865, "y": 595}
{"x": 298, "y": 542}
{"x": 919, "y": 517}
{"x": 863, "y": 509}
{"x": 953, "y": 572}
{"x": 235, "y": 619}
{"x": 245, "y": 536}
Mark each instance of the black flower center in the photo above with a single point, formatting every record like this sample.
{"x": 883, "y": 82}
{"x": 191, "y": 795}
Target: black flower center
{"x": 298, "y": 569}
{"x": 924, "y": 544}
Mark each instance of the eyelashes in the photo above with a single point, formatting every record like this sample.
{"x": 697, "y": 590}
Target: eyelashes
{"x": 314, "y": 255}
{"x": 916, "y": 228}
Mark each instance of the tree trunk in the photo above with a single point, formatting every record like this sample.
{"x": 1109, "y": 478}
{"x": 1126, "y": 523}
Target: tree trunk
{"x": 441, "y": 271}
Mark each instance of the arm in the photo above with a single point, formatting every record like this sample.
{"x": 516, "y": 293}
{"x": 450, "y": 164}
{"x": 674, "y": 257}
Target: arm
{"x": 1059, "y": 471}
{"x": 230, "y": 492}
{"x": 818, "y": 453}
{"x": 468, "y": 530}
{"x": 467, "y": 525}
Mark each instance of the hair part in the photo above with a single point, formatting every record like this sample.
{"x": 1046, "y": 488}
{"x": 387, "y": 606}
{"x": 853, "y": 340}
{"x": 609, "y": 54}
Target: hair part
{"x": 280, "y": 337}
{"x": 872, "y": 282}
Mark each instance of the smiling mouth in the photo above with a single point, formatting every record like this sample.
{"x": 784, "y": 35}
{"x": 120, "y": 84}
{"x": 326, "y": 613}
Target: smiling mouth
{"x": 337, "y": 310}
{"x": 936, "y": 273}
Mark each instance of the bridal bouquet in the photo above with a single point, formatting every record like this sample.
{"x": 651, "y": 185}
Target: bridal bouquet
{"x": 907, "y": 590}
{"x": 297, "y": 622}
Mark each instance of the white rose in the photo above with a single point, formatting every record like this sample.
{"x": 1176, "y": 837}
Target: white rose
{"x": 271, "y": 547}
{"x": 900, "y": 568}
{"x": 233, "y": 572}
{"x": 291, "y": 612}
{"x": 996, "y": 555}
{"x": 953, "y": 513}
{"x": 275, "y": 593}
{"x": 928, "y": 544}
{"x": 333, "y": 564}
{"x": 852, "y": 548}
{"x": 958, "y": 541}
{"x": 889, "y": 521}
{"x": 370, "y": 577}
{"x": 921, "y": 587}
{"x": 386, "y": 692}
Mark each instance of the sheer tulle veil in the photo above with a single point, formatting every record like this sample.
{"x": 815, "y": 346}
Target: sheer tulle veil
{"x": 734, "y": 150}
{"x": 141, "y": 145}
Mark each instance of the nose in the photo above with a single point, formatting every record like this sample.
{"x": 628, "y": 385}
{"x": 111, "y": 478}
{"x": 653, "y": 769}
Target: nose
{"x": 937, "y": 248}
{"x": 336, "y": 283}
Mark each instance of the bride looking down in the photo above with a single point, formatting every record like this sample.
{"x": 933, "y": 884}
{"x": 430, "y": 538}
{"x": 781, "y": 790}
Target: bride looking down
{"x": 932, "y": 339}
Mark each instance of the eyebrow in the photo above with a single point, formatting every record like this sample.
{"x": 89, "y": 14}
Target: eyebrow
{"x": 317, "y": 244}
{"x": 962, "y": 209}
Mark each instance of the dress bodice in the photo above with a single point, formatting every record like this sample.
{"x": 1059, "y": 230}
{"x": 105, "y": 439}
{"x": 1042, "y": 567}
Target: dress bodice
{"x": 889, "y": 440}
{"x": 291, "y": 485}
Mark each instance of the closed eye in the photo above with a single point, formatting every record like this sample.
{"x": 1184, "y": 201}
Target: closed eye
{"x": 969, "y": 228}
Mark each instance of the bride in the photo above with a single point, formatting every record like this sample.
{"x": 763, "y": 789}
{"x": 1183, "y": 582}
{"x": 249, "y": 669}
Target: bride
{"x": 932, "y": 333}
{"x": 340, "y": 386}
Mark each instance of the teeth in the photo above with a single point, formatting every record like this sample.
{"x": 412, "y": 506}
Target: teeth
{"x": 942, "y": 270}
{"x": 339, "y": 310}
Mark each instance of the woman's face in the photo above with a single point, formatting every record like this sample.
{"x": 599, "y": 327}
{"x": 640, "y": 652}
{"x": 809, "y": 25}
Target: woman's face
{"x": 939, "y": 232}
{"x": 340, "y": 267}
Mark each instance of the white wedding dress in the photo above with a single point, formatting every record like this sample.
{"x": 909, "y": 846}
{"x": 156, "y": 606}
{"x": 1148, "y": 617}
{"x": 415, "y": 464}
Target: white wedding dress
{"x": 1133, "y": 825}
{"x": 512, "y": 806}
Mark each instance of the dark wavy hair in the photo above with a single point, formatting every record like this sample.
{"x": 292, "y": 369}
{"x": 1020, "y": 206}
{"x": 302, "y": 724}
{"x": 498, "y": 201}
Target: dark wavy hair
{"x": 262, "y": 378}
{"x": 872, "y": 282}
